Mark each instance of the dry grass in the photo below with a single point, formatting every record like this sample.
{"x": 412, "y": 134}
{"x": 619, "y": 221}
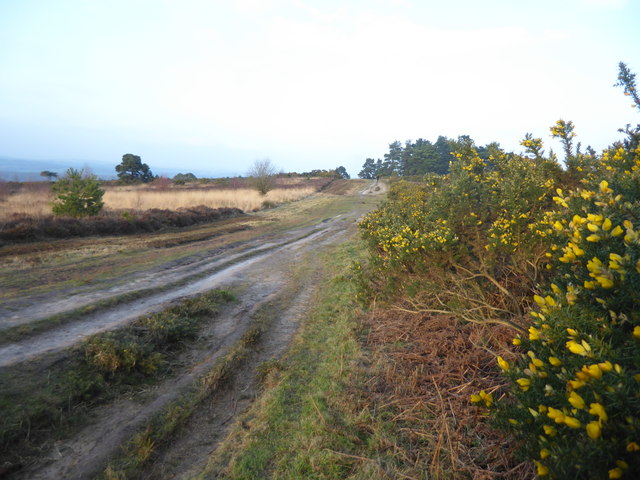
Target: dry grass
{"x": 248, "y": 200}
{"x": 30, "y": 199}
{"x": 434, "y": 364}
{"x": 34, "y": 199}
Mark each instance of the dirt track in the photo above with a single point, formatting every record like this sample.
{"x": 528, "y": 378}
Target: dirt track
{"x": 261, "y": 270}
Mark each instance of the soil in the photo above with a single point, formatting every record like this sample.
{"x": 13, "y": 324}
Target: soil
{"x": 260, "y": 270}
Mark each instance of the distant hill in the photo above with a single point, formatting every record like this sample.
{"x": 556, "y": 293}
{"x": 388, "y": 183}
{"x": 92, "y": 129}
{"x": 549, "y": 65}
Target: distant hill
{"x": 21, "y": 169}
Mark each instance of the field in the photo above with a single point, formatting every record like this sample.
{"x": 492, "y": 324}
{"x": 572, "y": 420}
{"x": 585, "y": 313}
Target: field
{"x": 33, "y": 199}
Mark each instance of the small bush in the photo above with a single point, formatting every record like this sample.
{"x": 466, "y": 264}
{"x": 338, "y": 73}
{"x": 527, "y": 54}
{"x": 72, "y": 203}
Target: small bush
{"x": 78, "y": 194}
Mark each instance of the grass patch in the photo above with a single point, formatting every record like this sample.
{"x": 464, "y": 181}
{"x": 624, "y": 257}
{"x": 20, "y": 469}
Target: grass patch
{"x": 314, "y": 421}
{"x": 139, "y": 451}
{"x": 40, "y": 405}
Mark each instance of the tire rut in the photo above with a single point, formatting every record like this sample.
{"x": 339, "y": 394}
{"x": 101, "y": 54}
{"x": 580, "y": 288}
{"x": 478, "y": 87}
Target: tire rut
{"x": 225, "y": 272}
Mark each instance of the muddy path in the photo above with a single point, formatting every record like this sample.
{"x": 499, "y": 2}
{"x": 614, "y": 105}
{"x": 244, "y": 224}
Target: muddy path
{"x": 225, "y": 269}
{"x": 280, "y": 270}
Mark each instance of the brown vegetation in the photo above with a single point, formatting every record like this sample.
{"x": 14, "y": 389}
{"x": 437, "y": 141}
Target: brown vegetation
{"x": 433, "y": 365}
{"x": 33, "y": 199}
{"x": 25, "y": 229}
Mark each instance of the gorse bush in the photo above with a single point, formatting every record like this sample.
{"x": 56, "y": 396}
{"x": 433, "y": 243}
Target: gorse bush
{"x": 576, "y": 390}
{"x": 499, "y": 237}
{"x": 463, "y": 243}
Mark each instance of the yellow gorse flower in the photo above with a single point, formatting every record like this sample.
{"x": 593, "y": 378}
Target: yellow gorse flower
{"x": 504, "y": 365}
{"x": 576, "y": 401}
{"x": 582, "y": 348}
{"x": 594, "y": 430}
{"x": 598, "y": 410}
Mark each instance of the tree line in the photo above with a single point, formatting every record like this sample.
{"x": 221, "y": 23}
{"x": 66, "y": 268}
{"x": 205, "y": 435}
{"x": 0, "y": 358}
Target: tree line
{"x": 421, "y": 157}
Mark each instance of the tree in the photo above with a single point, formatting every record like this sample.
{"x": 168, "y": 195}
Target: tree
{"x": 392, "y": 160}
{"x": 627, "y": 80}
{"x": 132, "y": 170}
{"x": 78, "y": 194}
{"x": 342, "y": 172}
{"x": 182, "y": 178}
{"x": 49, "y": 175}
{"x": 262, "y": 172}
{"x": 369, "y": 171}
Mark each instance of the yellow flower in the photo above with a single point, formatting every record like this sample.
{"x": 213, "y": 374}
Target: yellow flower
{"x": 524, "y": 383}
{"x": 633, "y": 447}
{"x": 544, "y": 453}
{"x": 605, "y": 282}
{"x": 542, "y": 470}
{"x": 598, "y": 410}
{"x": 605, "y": 366}
{"x": 516, "y": 341}
{"x": 593, "y": 238}
{"x": 556, "y": 362}
{"x": 576, "y": 400}
{"x": 504, "y": 365}
{"x": 534, "y": 333}
{"x": 577, "y": 348}
{"x": 606, "y": 225}
{"x": 593, "y": 430}
{"x": 617, "y": 231}
{"x": 636, "y": 332}
{"x": 550, "y": 430}
{"x": 555, "y": 415}
{"x": 539, "y": 300}
{"x": 576, "y": 384}
{"x": 572, "y": 422}
{"x": 593, "y": 371}
{"x": 592, "y": 228}
{"x": 615, "y": 473}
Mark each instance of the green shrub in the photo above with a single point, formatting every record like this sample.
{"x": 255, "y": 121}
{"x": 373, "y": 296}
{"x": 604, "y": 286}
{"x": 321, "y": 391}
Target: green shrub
{"x": 78, "y": 194}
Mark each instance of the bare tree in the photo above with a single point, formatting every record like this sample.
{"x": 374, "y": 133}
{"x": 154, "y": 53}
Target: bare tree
{"x": 263, "y": 172}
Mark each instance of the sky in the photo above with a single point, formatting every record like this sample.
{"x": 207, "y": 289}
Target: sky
{"x": 211, "y": 86}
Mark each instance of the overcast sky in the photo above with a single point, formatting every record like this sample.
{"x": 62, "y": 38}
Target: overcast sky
{"x": 213, "y": 85}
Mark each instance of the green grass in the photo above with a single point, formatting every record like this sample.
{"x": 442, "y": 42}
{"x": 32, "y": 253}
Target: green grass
{"x": 314, "y": 419}
{"x": 41, "y": 404}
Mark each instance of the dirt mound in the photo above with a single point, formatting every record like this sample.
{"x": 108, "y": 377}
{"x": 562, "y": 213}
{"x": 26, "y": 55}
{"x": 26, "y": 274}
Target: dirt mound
{"x": 376, "y": 188}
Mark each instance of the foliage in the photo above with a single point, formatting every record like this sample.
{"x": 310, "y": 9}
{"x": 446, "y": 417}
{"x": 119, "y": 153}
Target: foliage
{"x": 182, "y": 178}
{"x": 50, "y": 175}
{"x": 499, "y": 235}
{"x": 263, "y": 174}
{"x": 462, "y": 243}
{"x": 77, "y": 194}
{"x": 132, "y": 170}
{"x": 417, "y": 158}
{"x": 341, "y": 172}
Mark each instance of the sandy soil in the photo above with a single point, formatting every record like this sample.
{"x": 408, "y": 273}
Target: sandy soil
{"x": 261, "y": 270}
